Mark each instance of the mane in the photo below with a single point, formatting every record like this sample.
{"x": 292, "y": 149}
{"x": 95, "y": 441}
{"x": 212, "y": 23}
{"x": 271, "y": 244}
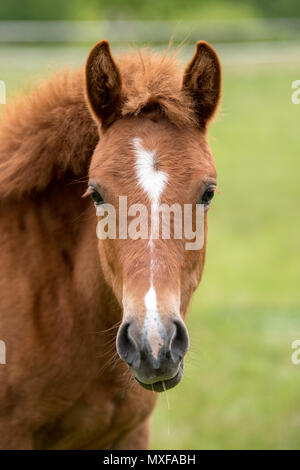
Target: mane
{"x": 50, "y": 133}
{"x": 45, "y": 135}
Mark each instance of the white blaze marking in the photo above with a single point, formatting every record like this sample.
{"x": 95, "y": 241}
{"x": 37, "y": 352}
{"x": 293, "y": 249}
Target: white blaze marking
{"x": 151, "y": 180}
{"x": 150, "y": 300}
{"x": 153, "y": 183}
{"x": 152, "y": 323}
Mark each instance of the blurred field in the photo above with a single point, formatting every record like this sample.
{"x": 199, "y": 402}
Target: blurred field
{"x": 240, "y": 389}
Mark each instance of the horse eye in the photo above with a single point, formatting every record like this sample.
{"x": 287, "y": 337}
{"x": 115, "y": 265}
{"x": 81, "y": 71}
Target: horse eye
{"x": 207, "y": 196}
{"x": 96, "y": 196}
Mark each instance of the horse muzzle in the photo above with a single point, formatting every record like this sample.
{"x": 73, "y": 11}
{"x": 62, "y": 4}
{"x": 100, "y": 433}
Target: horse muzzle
{"x": 155, "y": 351}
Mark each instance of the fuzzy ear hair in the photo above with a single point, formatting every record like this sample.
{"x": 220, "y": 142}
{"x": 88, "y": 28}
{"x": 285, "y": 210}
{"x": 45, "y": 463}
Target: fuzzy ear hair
{"x": 103, "y": 85}
{"x": 202, "y": 80}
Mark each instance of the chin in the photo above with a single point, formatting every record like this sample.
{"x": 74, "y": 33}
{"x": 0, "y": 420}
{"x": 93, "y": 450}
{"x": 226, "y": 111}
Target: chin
{"x": 163, "y": 384}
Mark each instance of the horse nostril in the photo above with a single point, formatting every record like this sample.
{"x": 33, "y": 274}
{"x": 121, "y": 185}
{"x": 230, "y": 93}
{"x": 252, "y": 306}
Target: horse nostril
{"x": 126, "y": 346}
{"x": 180, "y": 341}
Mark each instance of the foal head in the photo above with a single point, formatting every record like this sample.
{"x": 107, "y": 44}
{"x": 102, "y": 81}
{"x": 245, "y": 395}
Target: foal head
{"x": 152, "y": 151}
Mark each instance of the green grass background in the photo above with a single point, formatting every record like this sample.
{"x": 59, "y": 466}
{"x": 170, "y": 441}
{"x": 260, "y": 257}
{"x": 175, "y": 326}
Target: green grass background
{"x": 240, "y": 389}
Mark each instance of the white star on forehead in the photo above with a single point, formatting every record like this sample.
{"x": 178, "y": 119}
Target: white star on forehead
{"x": 151, "y": 180}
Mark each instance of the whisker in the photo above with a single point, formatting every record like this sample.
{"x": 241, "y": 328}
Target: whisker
{"x": 111, "y": 363}
{"x": 83, "y": 179}
{"x": 116, "y": 325}
{"x": 89, "y": 211}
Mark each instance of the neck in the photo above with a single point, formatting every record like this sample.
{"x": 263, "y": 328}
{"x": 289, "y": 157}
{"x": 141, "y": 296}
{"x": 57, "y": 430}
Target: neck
{"x": 42, "y": 179}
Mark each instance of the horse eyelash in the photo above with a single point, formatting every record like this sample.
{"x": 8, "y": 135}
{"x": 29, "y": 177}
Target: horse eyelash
{"x": 87, "y": 192}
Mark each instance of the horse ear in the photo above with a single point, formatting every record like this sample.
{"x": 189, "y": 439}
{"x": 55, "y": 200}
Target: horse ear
{"x": 202, "y": 80}
{"x": 103, "y": 84}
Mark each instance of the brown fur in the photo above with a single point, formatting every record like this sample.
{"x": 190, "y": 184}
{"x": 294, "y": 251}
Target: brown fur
{"x": 64, "y": 386}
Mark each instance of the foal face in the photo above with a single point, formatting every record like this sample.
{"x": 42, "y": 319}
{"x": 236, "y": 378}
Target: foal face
{"x": 151, "y": 162}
